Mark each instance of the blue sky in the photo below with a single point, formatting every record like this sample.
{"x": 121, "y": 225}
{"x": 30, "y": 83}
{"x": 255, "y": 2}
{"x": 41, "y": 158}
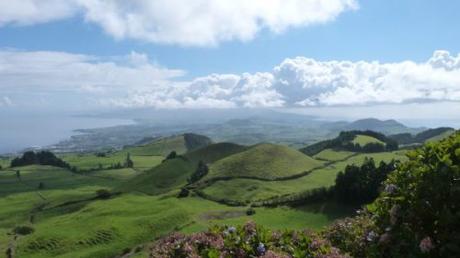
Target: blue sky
{"x": 82, "y": 55}
{"x": 383, "y": 30}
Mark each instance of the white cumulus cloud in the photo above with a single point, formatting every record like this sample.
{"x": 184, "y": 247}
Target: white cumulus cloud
{"x": 183, "y": 22}
{"x": 135, "y": 81}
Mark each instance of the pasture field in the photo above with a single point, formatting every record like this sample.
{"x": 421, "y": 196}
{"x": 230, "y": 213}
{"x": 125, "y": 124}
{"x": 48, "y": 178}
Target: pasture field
{"x": 253, "y": 189}
{"x": 70, "y": 220}
{"x": 365, "y": 139}
{"x": 124, "y": 222}
{"x": 160, "y": 147}
{"x": 92, "y": 161}
{"x": 333, "y": 155}
{"x": 4, "y": 162}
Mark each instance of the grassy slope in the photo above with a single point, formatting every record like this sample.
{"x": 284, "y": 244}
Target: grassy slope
{"x": 52, "y": 177}
{"x": 103, "y": 228}
{"x": 440, "y": 136}
{"x": 4, "y": 162}
{"x": 214, "y": 152}
{"x": 364, "y": 139}
{"x": 165, "y": 177}
{"x": 263, "y": 161}
{"x": 91, "y": 161}
{"x": 132, "y": 222}
{"x": 160, "y": 147}
{"x": 174, "y": 173}
{"x": 20, "y": 198}
{"x": 252, "y": 189}
{"x": 333, "y": 155}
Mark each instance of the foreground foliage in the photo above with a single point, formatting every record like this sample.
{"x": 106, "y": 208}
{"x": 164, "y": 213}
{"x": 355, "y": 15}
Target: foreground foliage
{"x": 249, "y": 240}
{"x": 418, "y": 214}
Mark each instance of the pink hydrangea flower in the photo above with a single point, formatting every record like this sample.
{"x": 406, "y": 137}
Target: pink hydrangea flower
{"x": 426, "y": 245}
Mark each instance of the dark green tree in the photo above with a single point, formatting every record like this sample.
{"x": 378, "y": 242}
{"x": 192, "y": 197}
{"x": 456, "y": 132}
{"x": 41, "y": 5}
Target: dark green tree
{"x": 172, "y": 155}
{"x": 129, "y": 163}
{"x": 361, "y": 184}
{"x": 201, "y": 171}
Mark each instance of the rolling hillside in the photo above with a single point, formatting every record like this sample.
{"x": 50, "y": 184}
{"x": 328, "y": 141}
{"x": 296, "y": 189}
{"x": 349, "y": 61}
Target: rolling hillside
{"x": 251, "y": 190}
{"x": 173, "y": 173}
{"x": 147, "y": 206}
{"x": 163, "y": 146}
{"x": 266, "y": 161}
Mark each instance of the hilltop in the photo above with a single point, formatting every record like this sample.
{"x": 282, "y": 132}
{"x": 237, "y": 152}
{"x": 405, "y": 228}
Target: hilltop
{"x": 173, "y": 173}
{"x": 266, "y": 161}
{"x": 163, "y": 146}
{"x": 383, "y": 126}
{"x": 356, "y": 141}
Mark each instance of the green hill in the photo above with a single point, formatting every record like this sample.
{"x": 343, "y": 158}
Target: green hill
{"x": 266, "y": 161}
{"x": 174, "y": 173}
{"x": 163, "y": 146}
{"x": 333, "y": 155}
{"x": 249, "y": 190}
{"x": 355, "y": 141}
{"x": 214, "y": 152}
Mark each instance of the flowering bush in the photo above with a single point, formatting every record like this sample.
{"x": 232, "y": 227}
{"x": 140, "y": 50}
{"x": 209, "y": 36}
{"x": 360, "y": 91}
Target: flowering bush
{"x": 420, "y": 210}
{"x": 417, "y": 214}
{"x": 248, "y": 240}
{"x": 353, "y": 235}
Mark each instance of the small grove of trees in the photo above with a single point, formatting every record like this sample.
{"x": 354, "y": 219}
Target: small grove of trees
{"x": 361, "y": 184}
{"x": 201, "y": 171}
{"x": 39, "y": 158}
{"x": 356, "y": 185}
{"x": 128, "y": 162}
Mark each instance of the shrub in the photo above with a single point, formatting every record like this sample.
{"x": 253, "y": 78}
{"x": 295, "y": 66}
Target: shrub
{"x": 418, "y": 213}
{"x": 23, "y": 230}
{"x": 41, "y": 186}
{"x": 129, "y": 162}
{"x": 103, "y": 194}
{"x": 172, "y": 155}
{"x": 251, "y": 211}
{"x": 201, "y": 171}
{"x": 420, "y": 208}
{"x": 184, "y": 192}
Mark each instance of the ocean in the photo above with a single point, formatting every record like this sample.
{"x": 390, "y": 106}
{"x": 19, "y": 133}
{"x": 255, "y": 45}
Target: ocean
{"x": 20, "y": 132}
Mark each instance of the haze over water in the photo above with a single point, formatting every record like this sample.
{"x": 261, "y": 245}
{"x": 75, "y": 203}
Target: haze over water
{"x": 18, "y": 133}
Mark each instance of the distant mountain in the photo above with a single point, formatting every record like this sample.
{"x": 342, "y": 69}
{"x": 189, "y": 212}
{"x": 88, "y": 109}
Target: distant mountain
{"x": 383, "y": 126}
